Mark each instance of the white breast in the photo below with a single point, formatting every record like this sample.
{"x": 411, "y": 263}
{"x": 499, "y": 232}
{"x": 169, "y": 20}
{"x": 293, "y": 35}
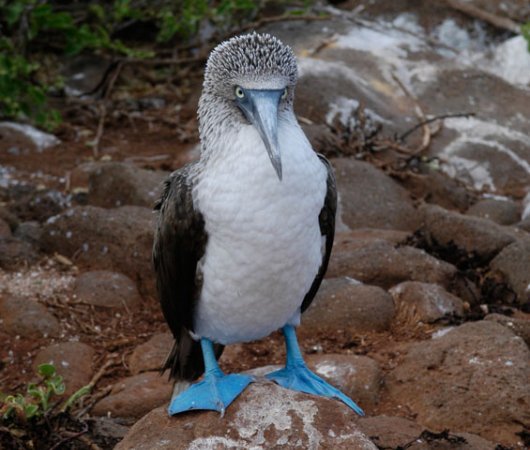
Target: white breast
{"x": 264, "y": 243}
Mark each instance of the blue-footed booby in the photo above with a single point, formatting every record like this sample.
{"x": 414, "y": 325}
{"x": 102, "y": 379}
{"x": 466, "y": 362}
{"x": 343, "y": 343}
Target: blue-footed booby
{"x": 244, "y": 234}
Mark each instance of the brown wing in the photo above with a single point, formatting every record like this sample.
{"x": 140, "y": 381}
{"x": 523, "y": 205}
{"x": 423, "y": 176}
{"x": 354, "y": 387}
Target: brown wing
{"x": 180, "y": 241}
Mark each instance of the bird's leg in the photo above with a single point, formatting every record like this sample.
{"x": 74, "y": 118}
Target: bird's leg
{"x": 298, "y": 377}
{"x": 215, "y": 392}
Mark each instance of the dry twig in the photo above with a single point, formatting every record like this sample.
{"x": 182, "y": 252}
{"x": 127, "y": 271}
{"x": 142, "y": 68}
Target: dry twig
{"x": 433, "y": 119}
{"x": 103, "y": 108}
{"x": 418, "y": 110}
{"x": 284, "y": 18}
{"x": 493, "y": 19}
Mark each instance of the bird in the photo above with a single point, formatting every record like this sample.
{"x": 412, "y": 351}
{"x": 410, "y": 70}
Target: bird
{"x": 244, "y": 234}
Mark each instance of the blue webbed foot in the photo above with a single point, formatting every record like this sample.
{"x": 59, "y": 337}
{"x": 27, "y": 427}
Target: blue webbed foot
{"x": 298, "y": 377}
{"x": 215, "y": 393}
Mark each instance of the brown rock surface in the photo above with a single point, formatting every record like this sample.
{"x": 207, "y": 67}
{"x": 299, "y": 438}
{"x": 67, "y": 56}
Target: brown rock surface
{"x": 370, "y": 198}
{"x": 105, "y": 239}
{"x": 479, "y": 369}
{"x": 264, "y": 416}
{"x": 424, "y": 302}
{"x": 73, "y": 361}
{"x": 5, "y": 229}
{"x": 115, "y": 184}
{"x": 135, "y": 396}
{"x": 438, "y": 188}
{"x": 30, "y": 232}
{"x": 151, "y": 354}
{"x": 398, "y": 432}
{"x": 519, "y": 326}
{"x": 503, "y": 212}
{"x": 381, "y": 263}
{"x": 26, "y": 317}
{"x": 341, "y": 304}
{"x": 108, "y": 289}
{"x": 472, "y": 234}
{"x": 15, "y": 252}
{"x": 513, "y": 266}
{"x": 359, "y": 377}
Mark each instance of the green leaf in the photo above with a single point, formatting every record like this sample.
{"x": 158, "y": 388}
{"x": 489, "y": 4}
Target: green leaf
{"x": 46, "y": 370}
{"x": 168, "y": 26}
{"x": 98, "y": 11}
{"x": 525, "y": 31}
{"x": 121, "y": 9}
{"x": 30, "y": 410}
{"x": 56, "y": 385}
{"x": 34, "y": 390}
{"x": 13, "y": 12}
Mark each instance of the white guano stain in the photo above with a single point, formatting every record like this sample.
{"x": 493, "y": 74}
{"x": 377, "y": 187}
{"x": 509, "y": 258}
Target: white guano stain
{"x": 475, "y": 131}
{"x": 207, "y": 443}
{"x": 252, "y": 422}
{"x": 326, "y": 370}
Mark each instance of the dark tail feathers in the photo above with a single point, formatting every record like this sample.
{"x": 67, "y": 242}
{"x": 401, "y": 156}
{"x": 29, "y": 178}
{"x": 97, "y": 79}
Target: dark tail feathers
{"x": 185, "y": 361}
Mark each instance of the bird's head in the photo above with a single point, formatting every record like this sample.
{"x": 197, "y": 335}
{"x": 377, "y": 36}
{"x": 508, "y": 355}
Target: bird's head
{"x": 253, "y": 78}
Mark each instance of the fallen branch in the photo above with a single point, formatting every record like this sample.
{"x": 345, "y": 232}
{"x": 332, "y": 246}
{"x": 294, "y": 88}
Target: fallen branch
{"x": 99, "y": 374}
{"x": 432, "y": 119}
{"x": 418, "y": 110}
{"x": 493, "y": 19}
{"x": 103, "y": 109}
{"x": 284, "y": 18}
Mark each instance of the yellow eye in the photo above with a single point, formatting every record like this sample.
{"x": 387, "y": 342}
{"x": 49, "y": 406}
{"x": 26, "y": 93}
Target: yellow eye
{"x": 239, "y": 92}
{"x": 284, "y": 95}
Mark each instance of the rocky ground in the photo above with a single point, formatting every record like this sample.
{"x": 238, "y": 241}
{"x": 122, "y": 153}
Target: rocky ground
{"x": 424, "y": 316}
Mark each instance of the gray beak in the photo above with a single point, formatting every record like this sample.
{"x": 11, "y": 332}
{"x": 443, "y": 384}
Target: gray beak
{"x": 261, "y": 109}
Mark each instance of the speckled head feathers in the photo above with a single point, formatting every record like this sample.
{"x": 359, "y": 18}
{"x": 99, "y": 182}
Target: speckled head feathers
{"x": 250, "y": 58}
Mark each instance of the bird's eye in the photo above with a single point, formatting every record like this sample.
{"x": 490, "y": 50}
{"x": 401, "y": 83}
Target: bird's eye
{"x": 284, "y": 95}
{"x": 239, "y": 92}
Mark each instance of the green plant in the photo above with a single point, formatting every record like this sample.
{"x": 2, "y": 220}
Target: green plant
{"x": 34, "y": 28}
{"x": 525, "y": 31}
{"x": 39, "y": 398}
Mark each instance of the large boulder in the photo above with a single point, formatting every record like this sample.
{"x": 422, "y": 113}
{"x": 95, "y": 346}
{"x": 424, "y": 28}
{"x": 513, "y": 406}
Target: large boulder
{"x": 520, "y": 326}
{"x": 151, "y": 354}
{"x": 424, "y": 302}
{"x": 263, "y": 416}
{"x": 477, "y": 370}
{"x": 474, "y": 235}
{"x": 429, "y": 52}
{"x": 512, "y": 265}
{"x": 503, "y": 212}
{"x": 399, "y": 433}
{"x": 115, "y": 184}
{"x": 15, "y": 253}
{"x": 135, "y": 396}
{"x": 370, "y": 198}
{"x": 5, "y": 229}
{"x": 107, "y": 289}
{"x": 105, "y": 239}
{"x": 73, "y": 361}
{"x": 342, "y": 304}
{"x": 384, "y": 264}
{"x": 359, "y": 377}
{"x": 26, "y": 317}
